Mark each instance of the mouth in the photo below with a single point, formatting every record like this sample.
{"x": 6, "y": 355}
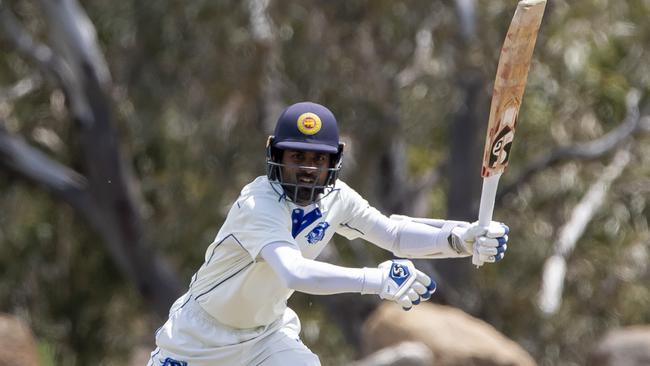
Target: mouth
{"x": 306, "y": 180}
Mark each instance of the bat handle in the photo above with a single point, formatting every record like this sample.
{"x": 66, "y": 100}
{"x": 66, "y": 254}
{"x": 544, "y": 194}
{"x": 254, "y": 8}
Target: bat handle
{"x": 488, "y": 195}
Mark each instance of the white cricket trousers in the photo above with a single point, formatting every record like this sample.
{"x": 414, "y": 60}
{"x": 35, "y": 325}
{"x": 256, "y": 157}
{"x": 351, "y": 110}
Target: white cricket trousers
{"x": 191, "y": 337}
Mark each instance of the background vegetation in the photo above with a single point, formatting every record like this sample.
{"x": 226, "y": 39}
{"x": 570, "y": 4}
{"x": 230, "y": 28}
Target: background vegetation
{"x": 194, "y": 90}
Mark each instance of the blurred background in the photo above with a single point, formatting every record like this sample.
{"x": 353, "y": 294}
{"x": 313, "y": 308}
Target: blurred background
{"x": 127, "y": 129}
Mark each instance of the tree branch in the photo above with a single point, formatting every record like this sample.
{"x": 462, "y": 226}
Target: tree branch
{"x": 422, "y": 57}
{"x": 588, "y": 150}
{"x": 644, "y": 124}
{"x": 20, "y": 89}
{"x": 466, "y": 10}
{"x": 62, "y": 182}
{"x": 104, "y": 197}
{"x": 17, "y": 156}
{"x": 550, "y": 295}
{"x": 265, "y": 33}
{"x": 37, "y": 53}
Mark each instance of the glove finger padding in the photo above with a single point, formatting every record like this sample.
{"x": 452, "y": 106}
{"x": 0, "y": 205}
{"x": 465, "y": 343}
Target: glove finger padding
{"x": 424, "y": 286}
{"x": 419, "y": 288}
{"x": 405, "y": 302}
{"x": 487, "y": 258}
{"x": 413, "y": 296}
{"x": 491, "y": 250}
{"x": 489, "y": 243}
{"x": 496, "y": 230}
{"x": 423, "y": 278}
{"x": 473, "y": 232}
{"x": 485, "y": 242}
{"x": 491, "y": 258}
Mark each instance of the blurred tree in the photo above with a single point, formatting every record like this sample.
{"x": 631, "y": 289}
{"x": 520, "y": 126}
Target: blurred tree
{"x": 194, "y": 92}
{"x": 103, "y": 196}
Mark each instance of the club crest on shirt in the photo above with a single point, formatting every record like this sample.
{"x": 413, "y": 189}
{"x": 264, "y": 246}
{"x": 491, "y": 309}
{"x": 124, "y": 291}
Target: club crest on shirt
{"x": 171, "y": 362}
{"x": 300, "y": 220}
{"x": 318, "y": 233}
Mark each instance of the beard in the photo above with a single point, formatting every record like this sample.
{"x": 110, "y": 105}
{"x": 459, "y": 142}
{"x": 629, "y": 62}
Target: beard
{"x": 302, "y": 194}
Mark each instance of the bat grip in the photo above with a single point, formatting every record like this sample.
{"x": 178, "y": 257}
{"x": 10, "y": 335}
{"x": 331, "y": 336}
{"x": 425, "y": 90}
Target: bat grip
{"x": 488, "y": 195}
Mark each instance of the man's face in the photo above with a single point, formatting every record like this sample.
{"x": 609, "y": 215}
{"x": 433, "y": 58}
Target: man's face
{"x": 307, "y": 169}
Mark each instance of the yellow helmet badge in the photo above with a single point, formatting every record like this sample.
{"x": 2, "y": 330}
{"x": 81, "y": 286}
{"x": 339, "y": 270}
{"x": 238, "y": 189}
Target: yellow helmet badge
{"x": 309, "y": 123}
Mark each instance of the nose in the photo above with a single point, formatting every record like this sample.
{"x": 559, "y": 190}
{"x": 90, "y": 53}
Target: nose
{"x": 312, "y": 163}
{"x": 308, "y": 169}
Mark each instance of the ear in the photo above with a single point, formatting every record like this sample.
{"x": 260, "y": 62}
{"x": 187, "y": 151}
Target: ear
{"x": 272, "y": 153}
{"x": 336, "y": 158}
{"x": 269, "y": 144}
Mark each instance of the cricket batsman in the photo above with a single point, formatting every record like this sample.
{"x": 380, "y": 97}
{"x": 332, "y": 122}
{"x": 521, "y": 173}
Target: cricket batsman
{"x": 235, "y": 310}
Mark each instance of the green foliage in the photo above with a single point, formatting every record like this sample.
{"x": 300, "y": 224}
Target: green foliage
{"x": 46, "y": 354}
{"x": 191, "y": 95}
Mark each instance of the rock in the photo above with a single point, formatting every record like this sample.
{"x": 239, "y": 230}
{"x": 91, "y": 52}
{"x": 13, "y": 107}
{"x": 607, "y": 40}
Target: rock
{"x": 140, "y": 356}
{"x": 628, "y": 346}
{"x": 400, "y": 354}
{"x": 17, "y": 343}
{"x": 455, "y": 338}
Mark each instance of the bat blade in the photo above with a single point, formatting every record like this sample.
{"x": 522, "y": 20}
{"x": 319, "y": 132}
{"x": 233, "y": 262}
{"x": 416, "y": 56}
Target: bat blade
{"x": 509, "y": 85}
{"x": 512, "y": 74}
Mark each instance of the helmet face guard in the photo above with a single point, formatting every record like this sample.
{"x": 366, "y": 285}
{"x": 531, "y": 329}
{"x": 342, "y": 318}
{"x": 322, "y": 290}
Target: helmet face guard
{"x": 304, "y": 126}
{"x": 290, "y": 187}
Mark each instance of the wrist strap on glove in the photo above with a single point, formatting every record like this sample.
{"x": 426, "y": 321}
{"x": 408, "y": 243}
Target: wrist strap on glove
{"x": 455, "y": 242}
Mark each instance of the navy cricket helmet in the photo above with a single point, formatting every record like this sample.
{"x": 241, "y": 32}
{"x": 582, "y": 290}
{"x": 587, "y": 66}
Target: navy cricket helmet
{"x": 304, "y": 126}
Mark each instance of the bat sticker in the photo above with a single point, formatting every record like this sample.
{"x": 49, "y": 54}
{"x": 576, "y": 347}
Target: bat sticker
{"x": 500, "y": 150}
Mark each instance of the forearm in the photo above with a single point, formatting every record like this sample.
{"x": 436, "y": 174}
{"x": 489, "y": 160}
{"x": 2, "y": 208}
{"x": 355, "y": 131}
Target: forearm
{"x": 409, "y": 239}
{"x": 318, "y": 278}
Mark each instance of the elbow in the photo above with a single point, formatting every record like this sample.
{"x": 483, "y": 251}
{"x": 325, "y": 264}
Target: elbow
{"x": 291, "y": 282}
{"x": 294, "y": 282}
{"x": 291, "y": 279}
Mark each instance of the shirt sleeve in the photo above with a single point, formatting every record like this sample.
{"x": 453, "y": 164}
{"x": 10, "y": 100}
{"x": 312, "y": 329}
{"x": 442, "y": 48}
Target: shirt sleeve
{"x": 360, "y": 216}
{"x": 318, "y": 278}
{"x": 405, "y": 238}
{"x": 256, "y": 222}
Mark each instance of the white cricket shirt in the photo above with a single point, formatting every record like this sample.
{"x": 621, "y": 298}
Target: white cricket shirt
{"x": 235, "y": 285}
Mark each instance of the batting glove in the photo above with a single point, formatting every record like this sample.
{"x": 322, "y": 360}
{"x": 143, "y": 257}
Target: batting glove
{"x": 404, "y": 284}
{"x": 489, "y": 243}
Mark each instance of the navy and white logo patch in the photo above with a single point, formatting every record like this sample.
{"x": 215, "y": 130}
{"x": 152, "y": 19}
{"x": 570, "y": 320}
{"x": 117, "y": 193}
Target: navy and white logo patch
{"x": 399, "y": 273}
{"x": 171, "y": 362}
{"x": 300, "y": 220}
{"x": 318, "y": 233}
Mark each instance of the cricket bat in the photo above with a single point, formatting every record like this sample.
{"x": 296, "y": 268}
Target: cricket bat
{"x": 509, "y": 85}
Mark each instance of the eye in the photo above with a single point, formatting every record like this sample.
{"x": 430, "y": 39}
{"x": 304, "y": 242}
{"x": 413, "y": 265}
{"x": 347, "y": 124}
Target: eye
{"x": 297, "y": 156}
{"x": 320, "y": 159}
